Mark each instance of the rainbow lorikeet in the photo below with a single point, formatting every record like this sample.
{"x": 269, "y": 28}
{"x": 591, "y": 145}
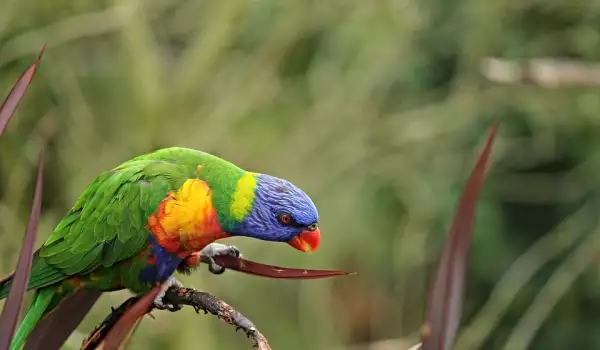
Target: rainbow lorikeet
{"x": 137, "y": 224}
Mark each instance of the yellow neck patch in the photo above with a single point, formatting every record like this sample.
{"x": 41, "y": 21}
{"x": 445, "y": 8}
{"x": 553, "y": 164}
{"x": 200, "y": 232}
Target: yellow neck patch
{"x": 243, "y": 196}
{"x": 186, "y": 219}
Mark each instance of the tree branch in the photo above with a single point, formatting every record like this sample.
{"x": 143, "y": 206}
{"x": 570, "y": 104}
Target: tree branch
{"x": 180, "y": 297}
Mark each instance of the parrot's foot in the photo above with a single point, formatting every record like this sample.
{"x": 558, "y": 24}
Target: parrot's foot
{"x": 215, "y": 249}
{"x": 158, "y": 301}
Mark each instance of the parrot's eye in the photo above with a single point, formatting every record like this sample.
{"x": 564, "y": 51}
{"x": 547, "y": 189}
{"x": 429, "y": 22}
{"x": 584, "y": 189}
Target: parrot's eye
{"x": 312, "y": 227}
{"x": 284, "y": 218}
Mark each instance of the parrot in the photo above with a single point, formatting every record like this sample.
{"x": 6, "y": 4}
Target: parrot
{"x": 136, "y": 225}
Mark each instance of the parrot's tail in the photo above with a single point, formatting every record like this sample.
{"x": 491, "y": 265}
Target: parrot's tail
{"x": 41, "y": 275}
{"x": 37, "y": 310}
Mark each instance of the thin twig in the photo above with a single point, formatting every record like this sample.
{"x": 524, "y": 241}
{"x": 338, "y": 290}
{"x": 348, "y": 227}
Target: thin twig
{"x": 545, "y": 72}
{"x": 179, "y": 297}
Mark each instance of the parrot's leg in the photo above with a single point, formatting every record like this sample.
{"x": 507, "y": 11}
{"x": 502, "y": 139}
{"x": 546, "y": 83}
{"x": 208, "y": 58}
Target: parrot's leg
{"x": 215, "y": 249}
{"x": 158, "y": 301}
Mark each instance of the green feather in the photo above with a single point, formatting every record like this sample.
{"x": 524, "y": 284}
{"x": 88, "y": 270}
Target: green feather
{"x": 108, "y": 222}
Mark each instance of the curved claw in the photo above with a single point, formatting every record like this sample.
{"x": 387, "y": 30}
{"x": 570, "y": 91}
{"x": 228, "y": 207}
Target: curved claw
{"x": 174, "y": 308}
{"x": 168, "y": 307}
{"x": 158, "y": 301}
{"x": 215, "y": 249}
{"x": 214, "y": 268}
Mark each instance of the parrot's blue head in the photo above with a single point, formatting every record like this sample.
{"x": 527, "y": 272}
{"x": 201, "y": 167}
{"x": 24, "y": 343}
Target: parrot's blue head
{"x": 281, "y": 212}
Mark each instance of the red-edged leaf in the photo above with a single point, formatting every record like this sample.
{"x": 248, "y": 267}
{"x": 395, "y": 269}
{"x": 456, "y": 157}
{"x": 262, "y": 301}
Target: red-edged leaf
{"x": 123, "y": 327}
{"x": 16, "y": 94}
{"x": 447, "y": 293}
{"x": 12, "y": 307}
{"x": 254, "y": 268}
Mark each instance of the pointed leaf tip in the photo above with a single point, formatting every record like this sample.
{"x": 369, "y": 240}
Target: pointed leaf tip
{"x": 11, "y": 102}
{"x": 12, "y": 306}
{"x": 447, "y": 292}
{"x": 258, "y": 269}
{"x": 42, "y": 52}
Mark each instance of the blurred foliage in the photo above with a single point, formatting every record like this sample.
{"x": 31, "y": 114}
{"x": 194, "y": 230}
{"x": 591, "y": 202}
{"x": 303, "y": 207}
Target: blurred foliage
{"x": 375, "y": 108}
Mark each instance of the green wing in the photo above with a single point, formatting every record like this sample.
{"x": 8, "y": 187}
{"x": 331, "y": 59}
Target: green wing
{"x": 106, "y": 225}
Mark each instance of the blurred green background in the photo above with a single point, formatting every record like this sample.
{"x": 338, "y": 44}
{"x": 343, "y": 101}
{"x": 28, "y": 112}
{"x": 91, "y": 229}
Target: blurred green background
{"x": 377, "y": 109}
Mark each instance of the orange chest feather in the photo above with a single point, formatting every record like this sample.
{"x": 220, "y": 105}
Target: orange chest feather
{"x": 186, "y": 219}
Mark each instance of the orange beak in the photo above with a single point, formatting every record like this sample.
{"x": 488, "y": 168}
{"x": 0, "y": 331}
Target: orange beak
{"x": 306, "y": 241}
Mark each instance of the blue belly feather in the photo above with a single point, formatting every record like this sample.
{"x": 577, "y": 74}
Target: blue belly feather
{"x": 166, "y": 264}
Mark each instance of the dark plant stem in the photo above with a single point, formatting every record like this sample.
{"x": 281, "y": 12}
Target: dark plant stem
{"x": 180, "y": 297}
